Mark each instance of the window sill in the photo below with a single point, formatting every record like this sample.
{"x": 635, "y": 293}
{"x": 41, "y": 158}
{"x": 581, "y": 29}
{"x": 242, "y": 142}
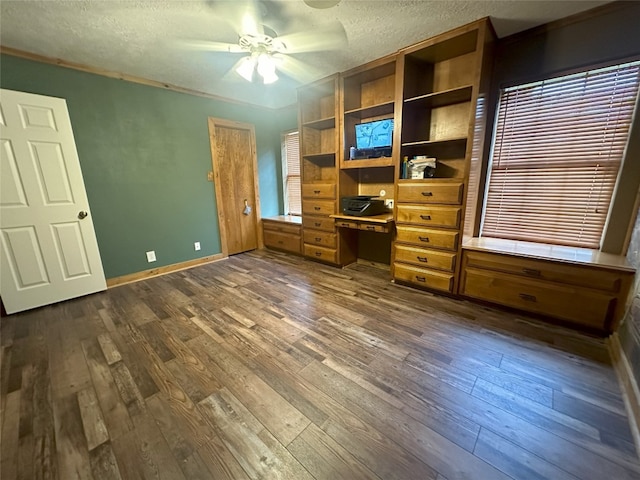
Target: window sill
{"x": 542, "y": 251}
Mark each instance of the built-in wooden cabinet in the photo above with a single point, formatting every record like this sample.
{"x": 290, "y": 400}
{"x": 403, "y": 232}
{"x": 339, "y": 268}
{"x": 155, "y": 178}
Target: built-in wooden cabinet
{"x": 319, "y": 127}
{"x": 283, "y": 232}
{"x": 367, "y": 93}
{"x": 436, "y": 93}
{"x": 436, "y": 104}
{"x": 586, "y": 295}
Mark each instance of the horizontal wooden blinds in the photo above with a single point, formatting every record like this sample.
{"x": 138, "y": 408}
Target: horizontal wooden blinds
{"x": 557, "y": 150}
{"x": 293, "y": 196}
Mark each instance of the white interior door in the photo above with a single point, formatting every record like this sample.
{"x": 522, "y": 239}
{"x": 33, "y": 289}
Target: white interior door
{"x": 49, "y": 250}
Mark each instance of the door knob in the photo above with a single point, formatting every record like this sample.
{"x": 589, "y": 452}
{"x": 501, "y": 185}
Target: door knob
{"x": 82, "y": 214}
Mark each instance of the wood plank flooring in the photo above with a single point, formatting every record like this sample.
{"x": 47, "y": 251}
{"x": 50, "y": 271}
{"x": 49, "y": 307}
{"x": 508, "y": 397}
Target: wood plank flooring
{"x": 268, "y": 366}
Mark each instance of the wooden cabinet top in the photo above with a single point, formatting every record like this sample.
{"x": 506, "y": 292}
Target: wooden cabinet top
{"x": 294, "y": 219}
{"x": 558, "y": 253}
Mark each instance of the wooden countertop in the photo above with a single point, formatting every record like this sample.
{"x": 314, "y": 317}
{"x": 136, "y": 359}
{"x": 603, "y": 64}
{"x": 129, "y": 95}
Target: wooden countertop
{"x": 295, "y": 219}
{"x": 576, "y": 255}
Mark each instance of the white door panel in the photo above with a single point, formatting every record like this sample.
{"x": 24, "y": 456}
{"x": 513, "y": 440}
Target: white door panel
{"x": 25, "y": 261}
{"x": 48, "y": 252}
{"x": 11, "y": 188}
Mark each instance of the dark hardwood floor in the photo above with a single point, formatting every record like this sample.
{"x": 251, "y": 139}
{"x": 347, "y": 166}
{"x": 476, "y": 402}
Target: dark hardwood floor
{"x": 269, "y": 366}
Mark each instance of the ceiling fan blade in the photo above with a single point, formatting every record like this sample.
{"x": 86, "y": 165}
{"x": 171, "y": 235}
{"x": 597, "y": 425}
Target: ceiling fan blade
{"x": 296, "y": 69}
{"x": 206, "y": 46}
{"x": 243, "y": 15}
{"x": 325, "y": 37}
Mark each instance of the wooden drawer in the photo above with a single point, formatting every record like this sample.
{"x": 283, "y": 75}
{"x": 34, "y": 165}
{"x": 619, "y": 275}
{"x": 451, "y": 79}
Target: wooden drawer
{"x": 321, "y": 253}
{"x": 317, "y": 237}
{"x": 281, "y": 227}
{"x": 423, "y": 277}
{"x": 375, "y": 227}
{"x": 364, "y": 225}
{"x": 319, "y": 190}
{"x": 340, "y": 223}
{"x": 318, "y": 223}
{"x": 426, "y": 258}
{"x": 318, "y": 207}
{"x": 590, "y": 277}
{"x": 444, "y": 239}
{"x": 448, "y": 217}
{"x": 282, "y": 241}
{"x": 430, "y": 191}
{"x": 575, "y": 304}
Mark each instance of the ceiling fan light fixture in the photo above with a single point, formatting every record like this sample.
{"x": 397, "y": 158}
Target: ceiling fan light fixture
{"x": 267, "y": 68}
{"x": 247, "y": 67}
{"x": 322, "y": 3}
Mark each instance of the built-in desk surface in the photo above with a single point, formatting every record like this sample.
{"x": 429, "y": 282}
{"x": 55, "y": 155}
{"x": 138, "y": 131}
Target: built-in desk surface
{"x": 383, "y": 218}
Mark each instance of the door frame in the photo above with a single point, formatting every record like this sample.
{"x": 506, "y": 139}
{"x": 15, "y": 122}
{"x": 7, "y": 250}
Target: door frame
{"x": 212, "y": 123}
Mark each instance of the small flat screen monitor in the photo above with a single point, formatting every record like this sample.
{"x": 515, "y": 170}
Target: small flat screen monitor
{"x": 376, "y": 134}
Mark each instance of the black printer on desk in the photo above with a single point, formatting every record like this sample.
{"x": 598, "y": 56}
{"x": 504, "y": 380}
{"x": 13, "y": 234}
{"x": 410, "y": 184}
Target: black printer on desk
{"x": 363, "y": 205}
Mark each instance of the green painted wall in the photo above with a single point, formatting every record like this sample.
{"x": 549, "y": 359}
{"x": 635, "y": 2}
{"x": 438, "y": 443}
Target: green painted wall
{"x": 144, "y": 153}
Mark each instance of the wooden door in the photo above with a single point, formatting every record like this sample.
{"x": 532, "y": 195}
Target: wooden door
{"x": 49, "y": 251}
{"x": 233, "y": 151}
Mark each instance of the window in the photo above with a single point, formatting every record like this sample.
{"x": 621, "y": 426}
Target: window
{"x": 557, "y": 148}
{"x": 291, "y": 173}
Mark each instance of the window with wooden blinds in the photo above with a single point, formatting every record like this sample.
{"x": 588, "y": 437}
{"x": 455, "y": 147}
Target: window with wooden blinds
{"x": 557, "y": 149}
{"x": 291, "y": 171}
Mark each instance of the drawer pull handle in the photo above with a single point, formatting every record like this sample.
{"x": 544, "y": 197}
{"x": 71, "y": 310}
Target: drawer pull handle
{"x": 425, "y": 217}
{"x": 527, "y": 297}
{"x": 422, "y": 259}
{"x": 318, "y": 254}
{"x": 280, "y": 242}
{"x": 421, "y": 279}
{"x": 317, "y": 224}
{"x": 371, "y": 227}
{"x": 318, "y": 239}
{"x": 316, "y": 208}
{"x": 427, "y": 194}
{"x": 424, "y": 239}
{"x": 347, "y": 225}
{"x": 317, "y": 192}
{"x": 531, "y": 272}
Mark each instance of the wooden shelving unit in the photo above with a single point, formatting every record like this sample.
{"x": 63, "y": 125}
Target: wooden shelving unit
{"x": 367, "y": 94}
{"x": 431, "y": 92}
{"x": 442, "y": 79}
{"x": 319, "y": 142}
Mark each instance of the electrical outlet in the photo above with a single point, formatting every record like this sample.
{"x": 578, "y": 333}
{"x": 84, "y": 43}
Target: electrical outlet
{"x": 196, "y": 245}
{"x": 151, "y": 256}
{"x": 389, "y": 202}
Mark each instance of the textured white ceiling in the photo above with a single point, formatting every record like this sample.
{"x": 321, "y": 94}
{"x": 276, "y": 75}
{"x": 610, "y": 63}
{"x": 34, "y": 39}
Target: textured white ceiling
{"x": 147, "y": 38}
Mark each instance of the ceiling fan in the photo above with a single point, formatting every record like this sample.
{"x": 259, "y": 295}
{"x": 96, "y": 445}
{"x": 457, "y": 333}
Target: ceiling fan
{"x": 264, "y": 52}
